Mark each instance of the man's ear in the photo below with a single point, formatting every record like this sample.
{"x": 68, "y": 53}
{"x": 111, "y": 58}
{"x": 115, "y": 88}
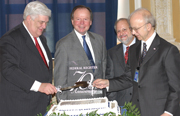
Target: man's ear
{"x": 149, "y": 26}
{"x": 28, "y": 18}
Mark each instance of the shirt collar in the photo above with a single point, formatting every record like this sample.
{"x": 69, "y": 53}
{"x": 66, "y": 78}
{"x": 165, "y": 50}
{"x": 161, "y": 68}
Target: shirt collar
{"x": 149, "y": 41}
{"x": 79, "y": 35}
{"x": 29, "y": 32}
{"x": 133, "y": 42}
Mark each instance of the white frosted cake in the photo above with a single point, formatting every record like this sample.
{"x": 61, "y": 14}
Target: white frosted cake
{"x": 84, "y": 106}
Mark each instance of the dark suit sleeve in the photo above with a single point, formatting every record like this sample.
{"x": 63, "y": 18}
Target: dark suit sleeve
{"x": 172, "y": 67}
{"x": 11, "y": 69}
{"x": 109, "y": 75}
{"x": 109, "y": 67}
{"x": 122, "y": 82}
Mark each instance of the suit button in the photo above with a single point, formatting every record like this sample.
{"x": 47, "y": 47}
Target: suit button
{"x": 139, "y": 86}
{"x": 138, "y": 100}
{"x": 130, "y": 93}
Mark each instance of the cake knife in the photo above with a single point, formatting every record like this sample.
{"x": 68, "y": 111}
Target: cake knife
{"x": 82, "y": 84}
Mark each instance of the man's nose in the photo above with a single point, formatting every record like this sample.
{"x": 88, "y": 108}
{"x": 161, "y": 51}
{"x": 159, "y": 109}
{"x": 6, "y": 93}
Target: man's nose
{"x": 82, "y": 22}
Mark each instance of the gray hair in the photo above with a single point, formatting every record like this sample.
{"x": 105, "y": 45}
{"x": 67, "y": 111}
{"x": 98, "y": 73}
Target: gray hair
{"x": 120, "y": 19}
{"x": 147, "y": 15}
{"x": 36, "y": 8}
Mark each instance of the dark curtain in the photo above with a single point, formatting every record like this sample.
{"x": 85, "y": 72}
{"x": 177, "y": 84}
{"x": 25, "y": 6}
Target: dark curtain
{"x": 104, "y": 17}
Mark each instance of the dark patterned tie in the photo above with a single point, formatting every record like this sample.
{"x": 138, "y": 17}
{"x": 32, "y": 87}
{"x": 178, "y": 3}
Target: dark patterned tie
{"x": 126, "y": 55}
{"x": 144, "y": 52}
{"x": 40, "y": 51}
{"x": 88, "y": 52}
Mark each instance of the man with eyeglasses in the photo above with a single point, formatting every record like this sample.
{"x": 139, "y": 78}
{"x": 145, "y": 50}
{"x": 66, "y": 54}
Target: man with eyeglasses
{"x": 117, "y": 59}
{"x": 26, "y": 65}
{"x": 153, "y": 70}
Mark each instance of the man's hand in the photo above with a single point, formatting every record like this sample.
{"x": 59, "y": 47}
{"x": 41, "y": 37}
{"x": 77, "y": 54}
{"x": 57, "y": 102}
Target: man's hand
{"x": 47, "y": 88}
{"x": 165, "y": 114}
{"x": 101, "y": 83}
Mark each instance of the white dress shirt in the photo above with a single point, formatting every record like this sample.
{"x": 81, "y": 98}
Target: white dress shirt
{"x": 124, "y": 46}
{"x": 37, "y": 84}
{"x": 87, "y": 41}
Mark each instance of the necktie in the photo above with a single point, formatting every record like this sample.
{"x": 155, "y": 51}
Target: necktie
{"x": 40, "y": 51}
{"x": 144, "y": 52}
{"x": 126, "y": 54}
{"x": 88, "y": 52}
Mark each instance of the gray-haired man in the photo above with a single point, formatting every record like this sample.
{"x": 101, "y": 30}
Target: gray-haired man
{"x": 26, "y": 65}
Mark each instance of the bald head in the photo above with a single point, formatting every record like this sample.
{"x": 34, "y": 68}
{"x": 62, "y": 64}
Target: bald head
{"x": 142, "y": 23}
{"x": 145, "y": 14}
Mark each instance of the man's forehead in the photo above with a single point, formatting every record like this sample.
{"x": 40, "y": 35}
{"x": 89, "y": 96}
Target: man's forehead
{"x": 43, "y": 18}
{"x": 136, "y": 19}
{"x": 122, "y": 22}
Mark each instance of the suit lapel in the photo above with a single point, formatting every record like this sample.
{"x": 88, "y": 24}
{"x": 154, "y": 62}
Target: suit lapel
{"x": 31, "y": 45}
{"x": 134, "y": 53}
{"x": 29, "y": 41}
{"x": 76, "y": 44}
{"x": 152, "y": 50}
{"x": 120, "y": 55}
{"x": 95, "y": 47}
{"x": 47, "y": 51}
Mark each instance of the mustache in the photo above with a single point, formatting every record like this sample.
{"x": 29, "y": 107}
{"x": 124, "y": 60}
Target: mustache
{"x": 121, "y": 36}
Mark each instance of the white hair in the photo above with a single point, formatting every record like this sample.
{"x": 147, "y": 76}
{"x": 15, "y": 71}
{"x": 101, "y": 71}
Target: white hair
{"x": 36, "y": 8}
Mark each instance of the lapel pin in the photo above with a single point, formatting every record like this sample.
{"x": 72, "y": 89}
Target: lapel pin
{"x": 154, "y": 48}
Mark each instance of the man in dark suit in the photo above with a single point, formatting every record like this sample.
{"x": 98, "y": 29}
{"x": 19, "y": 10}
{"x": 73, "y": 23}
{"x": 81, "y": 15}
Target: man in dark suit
{"x": 71, "y": 60}
{"x": 26, "y": 72}
{"x": 155, "y": 74}
{"x": 116, "y": 60}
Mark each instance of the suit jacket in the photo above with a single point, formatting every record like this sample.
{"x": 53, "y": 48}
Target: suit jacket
{"x": 115, "y": 68}
{"x": 70, "y": 54}
{"x": 21, "y": 64}
{"x": 158, "y": 88}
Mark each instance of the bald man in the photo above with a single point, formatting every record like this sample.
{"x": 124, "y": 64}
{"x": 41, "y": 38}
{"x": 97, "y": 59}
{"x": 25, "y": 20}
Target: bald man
{"x": 153, "y": 70}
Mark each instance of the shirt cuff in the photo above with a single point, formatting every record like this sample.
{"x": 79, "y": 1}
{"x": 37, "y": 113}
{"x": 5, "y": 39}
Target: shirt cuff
{"x": 107, "y": 88}
{"x": 168, "y": 113}
{"x": 35, "y": 86}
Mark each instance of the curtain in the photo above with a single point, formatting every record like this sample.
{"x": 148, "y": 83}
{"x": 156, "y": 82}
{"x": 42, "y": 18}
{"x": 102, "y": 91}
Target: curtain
{"x": 104, "y": 17}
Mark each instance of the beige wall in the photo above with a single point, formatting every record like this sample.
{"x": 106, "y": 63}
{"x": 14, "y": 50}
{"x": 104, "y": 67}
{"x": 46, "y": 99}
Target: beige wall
{"x": 176, "y": 19}
{"x": 132, "y": 6}
{"x": 146, "y": 4}
{"x": 175, "y": 14}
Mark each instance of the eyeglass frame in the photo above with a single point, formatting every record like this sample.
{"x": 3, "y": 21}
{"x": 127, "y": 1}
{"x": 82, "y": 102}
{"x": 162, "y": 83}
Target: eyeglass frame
{"x": 136, "y": 30}
{"x": 40, "y": 22}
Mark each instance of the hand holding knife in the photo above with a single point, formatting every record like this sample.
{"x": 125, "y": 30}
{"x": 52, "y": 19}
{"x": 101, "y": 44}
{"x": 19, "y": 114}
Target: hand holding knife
{"x": 82, "y": 84}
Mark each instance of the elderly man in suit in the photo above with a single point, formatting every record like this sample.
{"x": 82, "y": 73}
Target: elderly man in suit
{"x": 117, "y": 59}
{"x": 71, "y": 50}
{"x": 26, "y": 65}
{"x": 154, "y": 75}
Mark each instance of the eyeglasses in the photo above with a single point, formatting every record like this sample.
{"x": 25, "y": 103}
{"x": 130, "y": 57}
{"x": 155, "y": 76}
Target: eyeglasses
{"x": 42, "y": 22}
{"x": 136, "y": 29}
